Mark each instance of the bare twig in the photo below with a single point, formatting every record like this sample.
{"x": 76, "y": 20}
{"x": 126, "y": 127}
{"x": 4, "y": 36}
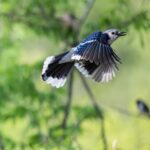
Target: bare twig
{"x": 92, "y": 98}
{"x": 1, "y": 144}
{"x": 98, "y": 110}
{"x": 95, "y": 105}
{"x": 90, "y": 4}
{"x": 119, "y": 110}
{"x": 82, "y": 20}
{"x": 68, "y": 104}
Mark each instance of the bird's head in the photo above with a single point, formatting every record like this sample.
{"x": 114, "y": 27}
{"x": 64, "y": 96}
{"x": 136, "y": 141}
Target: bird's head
{"x": 113, "y": 34}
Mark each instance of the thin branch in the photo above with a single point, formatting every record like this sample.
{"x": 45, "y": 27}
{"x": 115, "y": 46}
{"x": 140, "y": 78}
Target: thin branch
{"x": 98, "y": 110}
{"x": 68, "y": 104}
{"x": 119, "y": 110}
{"x": 103, "y": 135}
{"x": 1, "y": 144}
{"x": 92, "y": 98}
{"x": 69, "y": 101}
{"x": 90, "y": 4}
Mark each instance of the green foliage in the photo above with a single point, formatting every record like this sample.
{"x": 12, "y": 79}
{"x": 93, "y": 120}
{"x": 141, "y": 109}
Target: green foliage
{"x": 31, "y": 113}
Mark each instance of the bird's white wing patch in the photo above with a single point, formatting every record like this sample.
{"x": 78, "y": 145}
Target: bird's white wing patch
{"x": 81, "y": 46}
{"x": 104, "y": 76}
{"x": 76, "y": 57}
{"x": 108, "y": 75}
{"x": 90, "y": 41}
{"x": 47, "y": 61}
{"x": 82, "y": 69}
{"x": 56, "y": 82}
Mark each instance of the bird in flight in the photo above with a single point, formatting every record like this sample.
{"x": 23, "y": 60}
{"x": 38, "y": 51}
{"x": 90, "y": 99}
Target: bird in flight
{"x": 93, "y": 57}
{"x": 143, "y": 107}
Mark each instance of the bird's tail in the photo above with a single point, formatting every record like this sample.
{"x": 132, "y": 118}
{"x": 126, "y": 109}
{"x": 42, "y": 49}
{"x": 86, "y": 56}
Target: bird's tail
{"x": 54, "y": 72}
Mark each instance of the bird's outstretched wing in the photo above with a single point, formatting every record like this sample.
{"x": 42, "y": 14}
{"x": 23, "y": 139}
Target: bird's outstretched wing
{"x": 95, "y": 49}
{"x": 96, "y": 58}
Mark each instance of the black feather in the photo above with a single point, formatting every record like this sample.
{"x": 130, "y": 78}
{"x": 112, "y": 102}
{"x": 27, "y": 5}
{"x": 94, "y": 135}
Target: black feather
{"x": 57, "y": 70}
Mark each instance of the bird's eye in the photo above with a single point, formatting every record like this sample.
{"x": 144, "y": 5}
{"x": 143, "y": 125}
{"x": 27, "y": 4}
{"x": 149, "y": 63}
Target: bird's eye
{"x": 113, "y": 32}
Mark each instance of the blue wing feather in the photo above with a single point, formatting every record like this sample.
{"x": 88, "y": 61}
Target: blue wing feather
{"x": 92, "y": 48}
{"x": 94, "y": 36}
{"x": 96, "y": 58}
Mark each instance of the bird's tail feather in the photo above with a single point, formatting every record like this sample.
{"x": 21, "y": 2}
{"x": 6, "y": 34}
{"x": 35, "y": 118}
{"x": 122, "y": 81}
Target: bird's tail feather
{"x": 56, "y": 73}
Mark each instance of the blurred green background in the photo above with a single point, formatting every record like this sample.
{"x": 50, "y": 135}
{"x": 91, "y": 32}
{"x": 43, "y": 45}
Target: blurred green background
{"x": 31, "y": 112}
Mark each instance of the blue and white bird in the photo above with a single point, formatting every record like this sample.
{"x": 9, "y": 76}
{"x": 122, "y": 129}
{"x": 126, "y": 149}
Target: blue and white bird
{"x": 93, "y": 57}
{"x": 143, "y": 107}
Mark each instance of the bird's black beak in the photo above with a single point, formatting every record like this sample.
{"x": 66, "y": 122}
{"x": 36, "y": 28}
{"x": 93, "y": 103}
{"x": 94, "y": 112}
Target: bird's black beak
{"x": 122, "y": 33}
